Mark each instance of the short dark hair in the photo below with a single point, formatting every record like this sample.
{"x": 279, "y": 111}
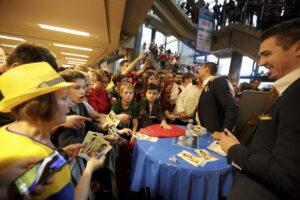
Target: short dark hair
{"x": 117, "y": 78}
{"x": 160, "y": 72}
{"x": 255, "y": 79}
{"x": 123, "y": 62}
{"x": 147, "y": 75}
{"x": 70, "y": 75}
{"x": 152, "y": 87}
{"x": 245, "y": 86}
{"x": 186, "y": 76}
{"x": 41, "y": 108}
{"x": 212, "y": 67}
{"x": 29, "y": 53}
{"x": 286, "y": 33}
{"x": 99, "y": 74}
{"x": 178, "y": 74}
{"x": 150, "y": 68}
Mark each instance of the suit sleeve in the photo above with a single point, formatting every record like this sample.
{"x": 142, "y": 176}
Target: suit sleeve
{"x": 225, "y": 98}
{"x": 280, "y": 167}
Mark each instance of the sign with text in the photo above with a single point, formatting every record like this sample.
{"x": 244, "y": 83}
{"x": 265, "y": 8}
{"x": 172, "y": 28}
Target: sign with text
{"x": 204, "y": 32}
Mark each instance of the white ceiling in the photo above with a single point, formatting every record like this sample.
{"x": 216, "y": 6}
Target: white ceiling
{"x": 102, "y": 19}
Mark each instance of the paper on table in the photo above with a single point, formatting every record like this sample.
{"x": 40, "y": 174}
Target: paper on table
{"x": 141, "y": 136}
{"x": 216, "y": 147}
{"x": 206, "y": 155}
{"x": 192, "y": 159}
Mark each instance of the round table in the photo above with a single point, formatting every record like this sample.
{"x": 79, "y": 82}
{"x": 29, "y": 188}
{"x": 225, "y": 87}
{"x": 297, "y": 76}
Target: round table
{"x": 152, "y": 168}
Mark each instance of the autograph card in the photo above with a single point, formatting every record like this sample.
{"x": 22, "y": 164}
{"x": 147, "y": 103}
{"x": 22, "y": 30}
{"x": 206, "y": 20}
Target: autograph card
{"x": 216, "y": 147}
{"x": 95, "y": 146}
{"x": 206, "y": 155}
{"x": 112, "y": 118}
{"x": 192, "y": 159}
{"x": 88, "y": 140}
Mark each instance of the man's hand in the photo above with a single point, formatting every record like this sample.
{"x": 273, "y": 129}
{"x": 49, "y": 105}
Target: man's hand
{"x": 75, "y": 121}
{"x": 123, "y": 117}
{"x": 73, "y": 149}
{"x": 124, "y": 131}
{"x": 216, "y": 135}
{"x": 228, "y": 140}
{"x": 183, "y": 115}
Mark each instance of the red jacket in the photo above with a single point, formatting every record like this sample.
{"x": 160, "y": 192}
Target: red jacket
{"x": 99, "y": 100}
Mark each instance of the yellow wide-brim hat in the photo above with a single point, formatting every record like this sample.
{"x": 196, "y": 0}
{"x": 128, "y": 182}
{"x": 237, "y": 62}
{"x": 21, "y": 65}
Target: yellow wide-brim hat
{"x": 26, "y": 82}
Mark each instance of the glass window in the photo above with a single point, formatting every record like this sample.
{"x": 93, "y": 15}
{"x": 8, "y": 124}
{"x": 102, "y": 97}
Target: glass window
{"x": 266, "y": 85}
{"x": 246, "y": 67}
{"x": 171, "y": 39}
{"x": 244, "y": 81}
{"x": 173, "y": 46}
{"x": 159, "y": 38}
{"x": 262, "y": 70}
{"x": 146, "y": 35}
{"x": 224, "y": 64}
{"x": 212, "y": 58}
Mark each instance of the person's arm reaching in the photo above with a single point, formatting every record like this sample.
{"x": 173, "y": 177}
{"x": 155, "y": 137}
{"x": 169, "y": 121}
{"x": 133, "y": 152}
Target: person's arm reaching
{"x": 83, "y": 186}
{"x": 133, "y": 64}
{"x": 143, "y": 69}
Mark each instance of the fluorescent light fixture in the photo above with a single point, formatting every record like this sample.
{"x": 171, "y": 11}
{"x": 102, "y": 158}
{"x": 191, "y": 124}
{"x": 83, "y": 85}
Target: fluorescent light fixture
{"x": 11, "y": 38}
{"x": 67, "y": 66}
{"x": 73, "y": 54}
{"x": 76, "y": 62}
{"x": 76, "y": 59}
{"x": 72, "y": 47}
{"x": 65, "y": 30}
{"x": 8, "y": 45}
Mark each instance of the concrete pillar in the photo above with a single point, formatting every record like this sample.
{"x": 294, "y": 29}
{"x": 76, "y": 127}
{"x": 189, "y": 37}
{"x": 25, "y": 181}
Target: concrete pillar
{"x": 137, "y": 44}
{"x": 153, "y": 33}
{"x": 113, "y": 67}
{"x": 235, "y": 67}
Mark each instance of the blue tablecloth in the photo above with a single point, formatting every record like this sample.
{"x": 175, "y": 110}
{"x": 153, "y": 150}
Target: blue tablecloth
{"x": 178, "y": 181}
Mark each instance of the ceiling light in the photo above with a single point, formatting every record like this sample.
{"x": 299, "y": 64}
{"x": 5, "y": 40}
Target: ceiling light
{"x": 67, "y": 66}
{"x": 76, "y": 59}
{"x": 11, "y": 38}
{"x": 73, "y": 54}
{"x": 65, "y": 30}
{"x": 75, "y": 62}
{"x": 8, "y": 45}
{"x": 72, "y": 47}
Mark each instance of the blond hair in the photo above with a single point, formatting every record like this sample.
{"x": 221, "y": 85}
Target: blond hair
{"x": 126, "y": 86}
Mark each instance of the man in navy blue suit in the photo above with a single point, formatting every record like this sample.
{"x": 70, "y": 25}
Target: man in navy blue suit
{"x": 269, "y": 168}
{"x": 216, "y": 107}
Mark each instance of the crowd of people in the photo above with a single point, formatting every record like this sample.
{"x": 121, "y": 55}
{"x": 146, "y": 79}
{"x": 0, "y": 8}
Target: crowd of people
{"x": 165, "y": 59}
{"x": 43, "y": 110}
{"x": 267, "y": 12}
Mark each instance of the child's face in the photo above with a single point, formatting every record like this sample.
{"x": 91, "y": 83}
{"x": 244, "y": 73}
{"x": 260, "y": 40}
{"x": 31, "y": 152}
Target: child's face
{"x": 127, "y": 94}
{"x": 151, "y": 95}
{"x": 77, "y": 91}
{"x": 102, "y": 84}
{"x": 152, "y": 79}
{"x": 88, "y": 86}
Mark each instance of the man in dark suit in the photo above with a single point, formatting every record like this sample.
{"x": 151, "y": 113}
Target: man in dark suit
{"x": 216, "y": 108}
{"x": 269, "y": 168}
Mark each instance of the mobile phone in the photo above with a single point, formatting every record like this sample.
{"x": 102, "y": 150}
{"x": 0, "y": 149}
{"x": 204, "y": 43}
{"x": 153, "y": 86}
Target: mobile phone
{"x": 39, "y": 173}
